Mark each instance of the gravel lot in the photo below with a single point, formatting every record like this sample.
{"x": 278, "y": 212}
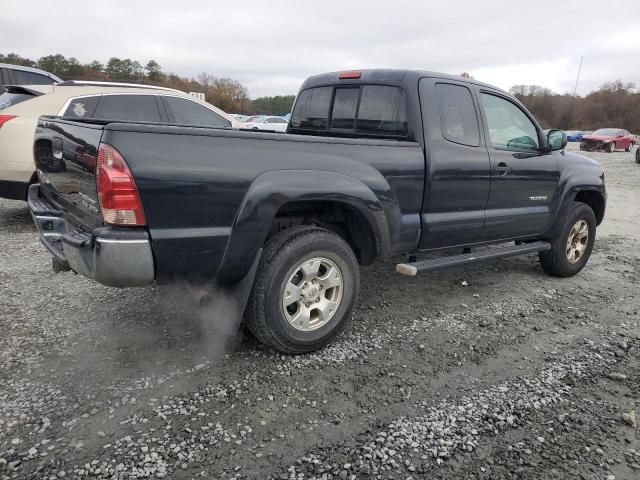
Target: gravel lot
{"x": 497, "y": 371}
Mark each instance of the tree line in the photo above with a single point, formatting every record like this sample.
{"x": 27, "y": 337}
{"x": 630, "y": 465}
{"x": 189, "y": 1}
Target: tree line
{"x": 225, "y": 93}
{"x": 615, "y": 104}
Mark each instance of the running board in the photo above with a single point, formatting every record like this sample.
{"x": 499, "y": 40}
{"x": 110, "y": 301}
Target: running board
{"x": 412, "y": 269}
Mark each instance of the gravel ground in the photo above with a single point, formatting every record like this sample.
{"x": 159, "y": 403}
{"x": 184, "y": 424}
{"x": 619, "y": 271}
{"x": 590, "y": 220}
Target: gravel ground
{"x": 497, "y": 371}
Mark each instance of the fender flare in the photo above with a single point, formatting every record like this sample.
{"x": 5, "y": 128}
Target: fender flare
{"x": 271, "y": 190}
{"x": 572, "y": 185}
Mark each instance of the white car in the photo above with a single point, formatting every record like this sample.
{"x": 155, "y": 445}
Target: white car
{"x": 273, "y": 123}
{"x": 20, "y": 107}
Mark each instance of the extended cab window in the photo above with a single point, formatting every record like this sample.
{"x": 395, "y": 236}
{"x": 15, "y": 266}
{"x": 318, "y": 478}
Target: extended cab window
{"x": 458, "y": 114}
{"x": 81, "y": 107}
{"x": 135, "y": 108}
{"x": 312, "y": 109}
{"x": 509, "y": 127}
{"x": 186, "y": 112}
{"x": 383, "y": 111}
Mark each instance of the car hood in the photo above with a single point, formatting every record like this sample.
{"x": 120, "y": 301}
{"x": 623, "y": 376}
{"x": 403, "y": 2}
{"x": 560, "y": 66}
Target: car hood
{"x": 597, "y": 138}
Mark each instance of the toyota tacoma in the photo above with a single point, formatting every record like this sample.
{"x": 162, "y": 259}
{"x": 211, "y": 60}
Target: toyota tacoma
{"x": 374, "y": 164}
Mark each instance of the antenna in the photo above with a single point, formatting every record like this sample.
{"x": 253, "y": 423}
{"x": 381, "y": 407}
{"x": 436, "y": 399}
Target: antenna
{"x": 575, "y": 89}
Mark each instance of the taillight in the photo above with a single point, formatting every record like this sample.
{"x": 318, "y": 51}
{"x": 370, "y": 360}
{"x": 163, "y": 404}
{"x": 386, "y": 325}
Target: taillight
{"x": 5, "y": 118}
{"x": 117, "y": 193}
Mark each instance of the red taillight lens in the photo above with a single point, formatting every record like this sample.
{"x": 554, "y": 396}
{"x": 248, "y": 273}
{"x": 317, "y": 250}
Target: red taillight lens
{"x": 5, "y": 118}
{"x": 349, "y": 76}
{"x": 117, "y": 193}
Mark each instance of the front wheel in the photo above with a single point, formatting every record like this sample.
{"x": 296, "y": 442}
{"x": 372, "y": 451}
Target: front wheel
{"x": 305, "y": 290}
{"x": 612, "y": 147}
{"x": 638, "y": 155}
{"x": 571, "y": 249}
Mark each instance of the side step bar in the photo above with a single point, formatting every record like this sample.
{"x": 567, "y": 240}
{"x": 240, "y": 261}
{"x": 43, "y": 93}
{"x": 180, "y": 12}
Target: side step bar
{"x": 412, "y": 269}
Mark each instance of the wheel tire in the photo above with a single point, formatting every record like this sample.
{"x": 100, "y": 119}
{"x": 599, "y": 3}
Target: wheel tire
{"x": 638, "y": 155}
{"x": 612, "y": 147}
{"x": 283, "y": 256}
{"x": 629, "y": 148}
{"x": 556, "y": 261}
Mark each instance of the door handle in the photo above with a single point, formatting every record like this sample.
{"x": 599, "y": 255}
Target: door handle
{"x": 503, "y": 169}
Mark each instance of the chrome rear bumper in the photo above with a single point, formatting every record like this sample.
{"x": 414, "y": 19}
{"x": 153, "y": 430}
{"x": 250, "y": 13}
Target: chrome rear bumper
{"x": 111, "y": 256}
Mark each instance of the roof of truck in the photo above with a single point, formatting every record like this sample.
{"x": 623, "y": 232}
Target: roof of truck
{"x": 392, "y": 76}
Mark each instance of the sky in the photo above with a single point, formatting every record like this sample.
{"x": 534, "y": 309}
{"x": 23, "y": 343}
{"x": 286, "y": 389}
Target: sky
{"x": 271, "y": 46}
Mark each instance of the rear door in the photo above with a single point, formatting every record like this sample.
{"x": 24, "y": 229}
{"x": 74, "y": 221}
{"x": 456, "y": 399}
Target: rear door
{"x": 458, "y": 178}
{"x": 524, "y": 178}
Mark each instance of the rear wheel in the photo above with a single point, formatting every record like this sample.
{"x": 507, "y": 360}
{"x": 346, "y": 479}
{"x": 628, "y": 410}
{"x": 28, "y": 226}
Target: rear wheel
{"x": 629, "y": 148}
{"x": 571, "y": 249}
{"x": 305, "y": 290}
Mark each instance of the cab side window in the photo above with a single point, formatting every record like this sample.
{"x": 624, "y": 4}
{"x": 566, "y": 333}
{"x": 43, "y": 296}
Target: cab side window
{"x": 458, "y": 114}
{"x": 509, "y": 127}
{"x": 134, "y": 108}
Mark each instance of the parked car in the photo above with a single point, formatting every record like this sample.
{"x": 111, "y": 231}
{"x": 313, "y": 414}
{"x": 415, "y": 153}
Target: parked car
{"x": 20, "y": 107}
{"x": 574, "y": 136}
{"x": 19, "y": 75}
{"x": 608, "y": 139}
{"x": 272, "y": 123}
{"x": 377, "y": 163}
{"x": 240, "y": 118}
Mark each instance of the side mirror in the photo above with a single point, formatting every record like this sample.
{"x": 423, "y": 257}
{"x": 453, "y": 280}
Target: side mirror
{"x": 556, "y": 140}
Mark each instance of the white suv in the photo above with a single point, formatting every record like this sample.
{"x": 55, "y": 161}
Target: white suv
{"x": 20, "y": 107}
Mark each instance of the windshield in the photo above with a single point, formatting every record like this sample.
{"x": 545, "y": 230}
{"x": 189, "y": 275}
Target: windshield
{"x": 10, "y": 99}
{"x": 606, "y": 132}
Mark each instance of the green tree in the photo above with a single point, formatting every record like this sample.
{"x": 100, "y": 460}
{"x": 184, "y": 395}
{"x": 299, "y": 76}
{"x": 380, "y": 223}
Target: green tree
{"x": 153, "y": 70}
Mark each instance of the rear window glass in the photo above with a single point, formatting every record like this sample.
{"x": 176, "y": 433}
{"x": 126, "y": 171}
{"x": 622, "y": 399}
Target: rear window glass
{"x": 458, "y": 114}
{"x": 135, "y": 108}
{"x": 312, "y": 109}
{"x": 345, "y": 104}
{"x": 383, "y": 111}
{"x": 29, "y": 78}
{"x": 370, "y": 110}
{"x": 81, "y": 107}
{"x": 10, "y": 99}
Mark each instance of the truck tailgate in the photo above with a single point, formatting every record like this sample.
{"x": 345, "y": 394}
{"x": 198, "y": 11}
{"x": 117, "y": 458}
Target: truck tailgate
{"x": 66, "y": 155}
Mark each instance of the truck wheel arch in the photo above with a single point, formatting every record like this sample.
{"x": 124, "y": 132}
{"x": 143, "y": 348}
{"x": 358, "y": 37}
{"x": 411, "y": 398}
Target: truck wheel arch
{"x": 275, "y": 192}
{"x": 595, "y": 200}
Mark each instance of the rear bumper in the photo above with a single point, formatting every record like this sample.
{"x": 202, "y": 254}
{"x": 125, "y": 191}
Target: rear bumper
{"x": 111, "y": 256}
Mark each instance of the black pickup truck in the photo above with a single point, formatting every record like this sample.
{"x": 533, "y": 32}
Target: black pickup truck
{"x": 374, "y": 164}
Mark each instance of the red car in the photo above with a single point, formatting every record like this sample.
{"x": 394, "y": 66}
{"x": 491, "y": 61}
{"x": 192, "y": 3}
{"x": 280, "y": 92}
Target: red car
{"x": 608, "y": 139}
